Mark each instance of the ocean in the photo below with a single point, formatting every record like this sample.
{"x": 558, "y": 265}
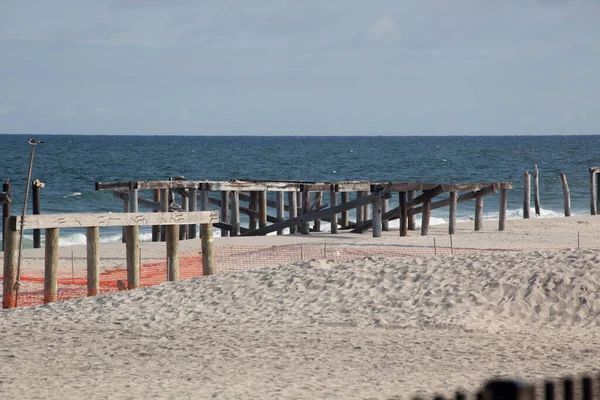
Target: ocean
{"x": 69, "y": 165}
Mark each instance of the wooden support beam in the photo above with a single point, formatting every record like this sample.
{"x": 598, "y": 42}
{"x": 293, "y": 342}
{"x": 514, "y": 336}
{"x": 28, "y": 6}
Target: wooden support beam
{"x": 452, "y": 213}
{"x": 345, "y": 198}
{"x": 5, "y": 209}
{"x": 156, "y": 228}
{"x": 460, "y": 199}
{"x": 208, "y": 255}
{"x": 385, "y": 225}
{"x": 526, "y": 194}
{"x": 173, "y": 252}
{"x": 132, "y": 250}
{"x": 193, "y": 206}
{"x": 402, "y": 200}
{"x": 37, "y": 209}
{"x": 334, "y": 217}
{"x": 280, "y": 209}
{"x": 92, "y": 237}
{"x": 293, "y": 211}
{"x": 377, "y": 214}
{"x": 125, "y": 210}
{"x": 235, "y": 213}
{"x": 253, "y": 206}
{"x": 593, "y": 193}
{"x": 183, "y": 229}
{"x": 317, "y": 205}
{"x": 11, "y": 255}
{"x": 536, "y": 191}
{"x": 478, "y": 213}
{"x": 360, "y": 215}
{"x": 228, "y": 227}
{"x": 425, "y": 217}
{"x": 261, "y": 198}
{"x": 503, "y": 206}
{"x": 51, "y": 265}
{"x": 412, "y": 220}
{"x": 224, "y": 210}
{"x": 367, "y": 208}
{"x": 306, "y": 218}
{"x": 305, "y": 210}
{"x": 566, "y": 193}
{"x": 164, "y": 208}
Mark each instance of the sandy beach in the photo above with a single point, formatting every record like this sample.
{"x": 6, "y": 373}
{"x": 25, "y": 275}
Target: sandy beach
{"x": 370, "y": 327}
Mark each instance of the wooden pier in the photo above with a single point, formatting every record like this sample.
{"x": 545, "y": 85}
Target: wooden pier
{"x": 306, "y": 203}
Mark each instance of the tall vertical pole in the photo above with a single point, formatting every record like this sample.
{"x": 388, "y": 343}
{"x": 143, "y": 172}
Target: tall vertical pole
{"x": 35, "y": 197}
{"x": 5, "y": 212}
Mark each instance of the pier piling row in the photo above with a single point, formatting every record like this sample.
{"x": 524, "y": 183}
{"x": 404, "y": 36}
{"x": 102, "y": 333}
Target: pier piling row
{"x": 309, "y": 202}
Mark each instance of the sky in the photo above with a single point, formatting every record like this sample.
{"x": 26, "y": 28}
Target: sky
{"x": 313, "y": 67}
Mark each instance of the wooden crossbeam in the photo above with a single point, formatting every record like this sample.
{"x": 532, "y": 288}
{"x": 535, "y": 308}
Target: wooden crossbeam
{"x": 463, "y": 197}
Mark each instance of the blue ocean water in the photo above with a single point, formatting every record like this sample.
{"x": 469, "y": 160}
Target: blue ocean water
{"x": 69, "y": 165}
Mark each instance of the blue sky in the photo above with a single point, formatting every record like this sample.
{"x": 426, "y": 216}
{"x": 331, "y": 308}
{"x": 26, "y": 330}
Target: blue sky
{"x": 324, "y": 67}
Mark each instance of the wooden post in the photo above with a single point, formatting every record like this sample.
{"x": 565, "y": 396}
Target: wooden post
{"x": 185, "y": 206}
{"x": 262, "y": 208}
{"x": 359, "y": 210}
{"x": 252, "y": 206}
{"x": 526, "y": 194}
{"x": 51, "y": 265}
{"x": 36, "y": 200}
{"x": 225, "y": 211}
{"x": 193, "y": 206}
{"x": 566, "y": 193}
{"x": 156, "y": 228}
{"x": 235, "y": 213}
{"x": 280, "y": 209}
{"x": 385, "y": 224}
{"x": 132, "y": 249}
{"x": 125, "y": 210}
{"x": 425, "y": 217}
{"x": 503, "y": 205}
{"x": 410, "y": 195}
{"x": 208, "y": 254}
{"x": 293, "y": 210}
{"x": 133, "y": 200}
{"x": 305, "y": 209}
{"x": 345, "y": 199}
{"x": 332, "y": 203}
{"x": 536, "y": 191}
{"x": 404, "y": 219}
{"x": 164, "y": 207}
{"x": 452, "y": 214}
{"x": 5, "y": 212}
{"x": 366, "y": 209}
{"x": 318, "y": 202}
{"x": 203, "y": 201}
{"x": 11, "y": 255}
{"x": 478, "y": 213}
{"x": 92, "y": 237}
{"x": 173, "y": 252}
{"x": 597, "y": 190}
{"x": 377, "y": 213}
{"x": 593, "y": 194}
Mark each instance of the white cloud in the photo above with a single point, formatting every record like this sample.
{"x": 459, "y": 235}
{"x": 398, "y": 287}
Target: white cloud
{"x": 383, "y": 28}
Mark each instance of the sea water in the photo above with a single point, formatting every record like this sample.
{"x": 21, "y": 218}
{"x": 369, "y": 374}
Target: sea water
{"x": 69, "y": 165}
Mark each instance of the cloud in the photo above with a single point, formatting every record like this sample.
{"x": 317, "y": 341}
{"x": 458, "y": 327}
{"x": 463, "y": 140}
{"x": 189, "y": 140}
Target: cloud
{"x": 382, "y": 29}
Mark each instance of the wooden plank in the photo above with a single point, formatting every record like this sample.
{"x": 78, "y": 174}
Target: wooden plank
{"x": 113, "y": 219}
{"x": 452, "y": 213}
{"x": 235, "y": 213}
{"x": 11, "y": 259}
{"x": 566, "y": 193}
{"x": 51, "y": 265}
{"x": 250, "y": 186}
{"x": 503, "y": 206}
{"x": 92, "y": 238}
{"x": 403, "y": 213}
{"x": 478, "y": 213}
{"x": 228, "y": 227}
{"x": 334, "y": 217}
{"x": 536, "y": 191}
{"x": 193, "y": 206}
{"x": 280, "y": 209}
{"x": 173, "y": 252}
{"x": 208, "y": 255}
{"x": 261, "y": 198}
{"x": 132, "y": 253}
{"x": 377, "y": 213}
{"x": 293, "y": 211}
{"x": 114, "y": 185}
{"x": 224, "y": 210}
{"x": 306, "y": 218}
{"x": 526, "y": 194}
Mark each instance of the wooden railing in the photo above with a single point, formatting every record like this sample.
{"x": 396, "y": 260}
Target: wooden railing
{"x": 92, "y": 222}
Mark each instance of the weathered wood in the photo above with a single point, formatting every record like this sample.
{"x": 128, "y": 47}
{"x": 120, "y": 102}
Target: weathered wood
{"x": 508, "y": 390}
{"x": 11, "y": 259}
{"x": 133, "y": 200}
{"x": 306, "y": 218}
{"x": 203, "y": 195}
{"x": 412, "y": 220}
{"x": 227, "y": 227}
{"x": 51, "y": 265}
{"x": 224, "y": 210}
{"x": 251, "y": 186}
{"x": 360, "y": 214}
{"x": 593, "y": 193}
{"x": 345, "y": 198}
{"x": 446, "y": 187}
{"x": 597, "y": 191}
{"x": 164, "y": 208}
{"x": 385, "y": 225}
{"x": 425, "y": 217}
{"x": 253, "y": 206}
{"x": 208, "y": 254}
{"x": 5, "y": 209}
{"x": 305, "y": 210}
{"x": 403, "y": 213}
{"x": 235, "y": 213}
{"x": 566, "y": 193}
{"x": 132, "y": 250}
{"x": 536, "y": 191}
{"x": 280, "y": 209}
{"x": 460, "y": 199}
{"x": 37, "y": 209}
{"x": 478, "y": 213}
{"x": 334, "y": 217}
{"x": 173, "y": 252}
{"x": 262, "y": 208}
{"x": 193, "y": 206}
{"x": 377, "y": 214}
{"x": 92, "y": 238}
{"x": 113, "y": 219}
{"x": 318, "y": 203}
{"x": 367, "y": 208}
{"x": 156, "y": 228}
{"x": 293, "y": 211}
{"x": 503, "y": 206}
{"x": 526, "y": 194}
{"x": 183, "y": 229}
{"x": 452, "y": 213}
{"x": 125, "y": 210}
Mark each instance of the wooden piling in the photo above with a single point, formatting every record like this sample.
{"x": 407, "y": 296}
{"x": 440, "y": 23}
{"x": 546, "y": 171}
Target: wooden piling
{"x": 293, "y": 210}
{"x": 208, "y": 254}
{"x": 252, "y": 205}
{"x": 452, "y": 214}
{"x": 133, "y": 200}
{"x": 593, "y": 193}
{"x": 305, "y": 209}
{"x": 425, "y": 217}
{"x": 478, "y": 213}
{"x": 224, "y": 210}
{"x": 156, "y": 228}
{"x": 536, "y": 191}
{"x": 332, "y": 203}
{"x": 318, "y": 203}
{"x": 403, "y": 213}
{"x": 344, "y": 220}
{"x": 11, "y": 260}
{"x": 193, "y": 206}
{"x": 503, "y": 206}
{"x": 526, "y": 194}
{"x": 125, "y": 210}
{"x": 385, "y": 224}
{"x": 262, "y": 208}
{"x": 173, "y": 252}
{"x": 5, "y": 211}
{"x": 235, "y": 213}
{"x": 280, "y": 209}
{"x": 597, "y": 191}
{"x": 366, "y": 209}
{"x": 377, "y": 214}
{"x": 36, "y": 200}
{"x": 185, "y": 206}
{"x": 360, "y": 214}
{"x": 92, "y": 237}
{"x": 132, "y": 249}
{"x": 164, "y": 207}
{"x": 51, "y": 265}
{"x": 410, "y": 196}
